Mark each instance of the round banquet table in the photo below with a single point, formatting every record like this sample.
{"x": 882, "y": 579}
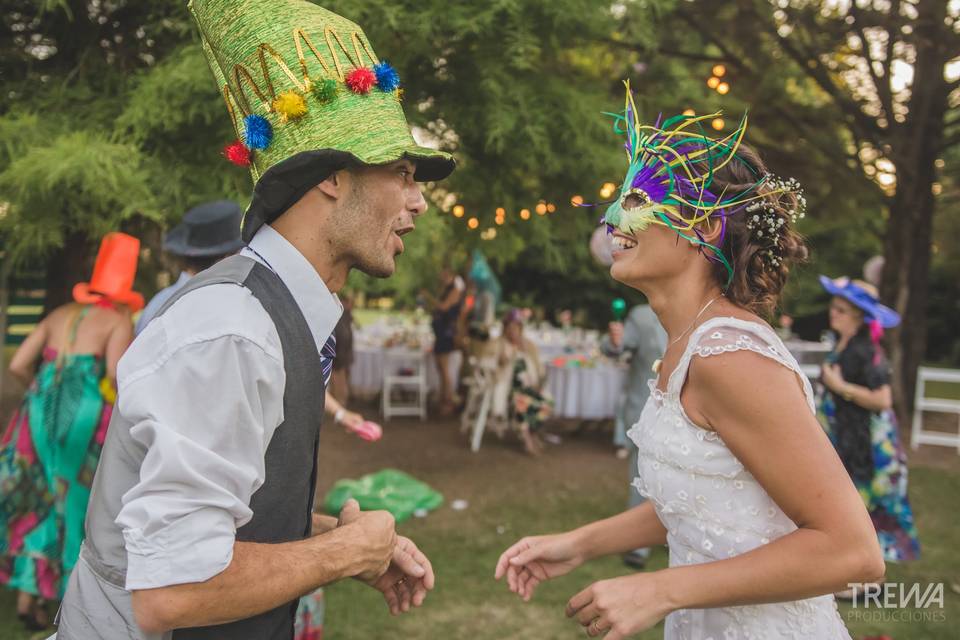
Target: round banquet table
{"x": 586, "y": 393}
{"x": 369, "y": 364}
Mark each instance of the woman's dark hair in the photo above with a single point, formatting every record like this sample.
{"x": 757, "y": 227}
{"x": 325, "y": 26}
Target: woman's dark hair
{"x": 760, "y": 268}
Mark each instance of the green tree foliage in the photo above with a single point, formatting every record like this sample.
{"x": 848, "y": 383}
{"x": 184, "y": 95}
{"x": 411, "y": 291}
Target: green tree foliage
{"x": 109, "y": 116}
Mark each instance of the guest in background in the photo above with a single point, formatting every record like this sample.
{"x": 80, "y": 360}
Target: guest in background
{"x": 643, "y": 340}
{"x": 52, "y": 445}
{"x": 785, "y": 330}
{"x": 857, "y": 411}
{"x": 343, "y": 333}
{"x": 446, "y": 311}
{"x": 208, "y": 233}
{"x": 520, "y": 381}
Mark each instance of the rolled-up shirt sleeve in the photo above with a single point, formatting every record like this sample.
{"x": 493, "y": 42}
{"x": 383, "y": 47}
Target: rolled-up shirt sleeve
{"x": 204, "y": 415}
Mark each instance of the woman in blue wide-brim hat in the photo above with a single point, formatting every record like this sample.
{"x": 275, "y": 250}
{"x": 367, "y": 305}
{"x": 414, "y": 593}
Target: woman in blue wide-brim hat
{"x": 856, "y": 410}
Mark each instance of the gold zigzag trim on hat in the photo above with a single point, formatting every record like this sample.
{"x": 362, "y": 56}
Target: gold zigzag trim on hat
{"x": 244, "y": 79}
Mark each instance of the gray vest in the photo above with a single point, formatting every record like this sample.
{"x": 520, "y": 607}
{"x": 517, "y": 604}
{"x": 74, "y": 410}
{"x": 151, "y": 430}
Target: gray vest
{"x": 282, "y": 506}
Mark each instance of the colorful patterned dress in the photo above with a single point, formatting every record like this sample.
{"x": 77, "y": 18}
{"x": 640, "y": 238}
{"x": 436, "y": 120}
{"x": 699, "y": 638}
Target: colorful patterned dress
{"x": 531, "y": 407}
{"x": 869, "y": 446}
{"x": 48, "y": 456}
{"x": 308, "y": 624}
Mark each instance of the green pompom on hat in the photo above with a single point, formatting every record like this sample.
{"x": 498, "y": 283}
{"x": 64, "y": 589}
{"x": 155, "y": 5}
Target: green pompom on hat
{"x": 274, "y": 61}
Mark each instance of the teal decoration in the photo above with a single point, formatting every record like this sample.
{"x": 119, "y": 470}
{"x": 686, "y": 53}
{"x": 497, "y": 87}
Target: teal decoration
{"x": 619, "y": 307}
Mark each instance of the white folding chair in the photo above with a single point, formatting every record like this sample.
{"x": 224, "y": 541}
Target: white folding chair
{"x": 406, "y": 372}
{"x": 481, "y": 385}
{"x": 923, "y": 403}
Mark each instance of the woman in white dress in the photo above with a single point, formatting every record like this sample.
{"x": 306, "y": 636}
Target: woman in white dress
{"x": 761, "y": 519}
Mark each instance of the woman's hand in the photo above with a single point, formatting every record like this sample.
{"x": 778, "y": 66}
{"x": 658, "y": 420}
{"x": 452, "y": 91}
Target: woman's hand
{"x": 622, "y": 606}
{"x": 351, "y": 421}
{"x": 536, "y": 559}
{"x": 832, "y": 378}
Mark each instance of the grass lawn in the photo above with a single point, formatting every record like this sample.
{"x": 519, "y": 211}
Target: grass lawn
{"x": 510, "y": 496}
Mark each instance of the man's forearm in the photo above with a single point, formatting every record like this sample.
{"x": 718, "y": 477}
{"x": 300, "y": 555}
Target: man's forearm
{"x": 260, "y": 577}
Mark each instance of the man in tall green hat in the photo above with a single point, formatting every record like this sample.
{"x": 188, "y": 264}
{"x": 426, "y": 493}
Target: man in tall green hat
{"x": 200, "y": 521}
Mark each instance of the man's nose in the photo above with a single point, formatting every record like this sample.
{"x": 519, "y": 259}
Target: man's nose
{"x": 416, "y": 203}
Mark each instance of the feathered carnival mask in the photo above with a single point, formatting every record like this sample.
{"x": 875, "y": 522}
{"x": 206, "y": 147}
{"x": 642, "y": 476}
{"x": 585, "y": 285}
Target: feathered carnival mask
{"x": 670, "y": 181}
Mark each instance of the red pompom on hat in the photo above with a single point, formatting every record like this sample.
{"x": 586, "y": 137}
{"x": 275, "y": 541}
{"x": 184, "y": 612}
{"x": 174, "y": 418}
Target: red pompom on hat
{"x": 237, "y": 153}
{"x": 361, "y": 80}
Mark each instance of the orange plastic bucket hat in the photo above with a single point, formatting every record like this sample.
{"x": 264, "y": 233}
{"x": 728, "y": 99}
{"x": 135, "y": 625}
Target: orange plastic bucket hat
{"x": 113, "y": 273}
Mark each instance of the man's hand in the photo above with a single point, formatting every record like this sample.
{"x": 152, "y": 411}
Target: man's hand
{"x": 407, "y": 577}
{"x": 375, "y": 533}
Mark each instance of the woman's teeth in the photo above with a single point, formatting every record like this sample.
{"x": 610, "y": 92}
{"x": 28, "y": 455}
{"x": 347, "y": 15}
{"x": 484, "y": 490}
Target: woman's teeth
{"x": 622, "y": 244}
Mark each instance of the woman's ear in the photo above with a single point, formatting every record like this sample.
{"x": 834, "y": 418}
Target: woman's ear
{"x": 710, "y": 230}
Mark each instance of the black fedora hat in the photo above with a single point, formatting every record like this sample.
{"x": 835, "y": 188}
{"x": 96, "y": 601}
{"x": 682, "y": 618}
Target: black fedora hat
{"x": 209, "y": 229}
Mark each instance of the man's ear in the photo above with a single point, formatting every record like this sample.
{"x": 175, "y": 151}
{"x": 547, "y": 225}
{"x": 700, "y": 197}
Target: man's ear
{"x": 334, "y": 185}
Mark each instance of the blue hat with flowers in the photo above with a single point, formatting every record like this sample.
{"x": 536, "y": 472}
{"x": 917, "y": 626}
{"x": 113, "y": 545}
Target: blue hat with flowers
{"x": 864, "y": 296}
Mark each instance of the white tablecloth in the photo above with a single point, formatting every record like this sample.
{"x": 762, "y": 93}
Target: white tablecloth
{"x": 586, "y": 393}
{"x": 369, "y": 365}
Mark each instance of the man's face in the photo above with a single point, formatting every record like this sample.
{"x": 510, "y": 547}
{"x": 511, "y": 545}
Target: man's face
{"x": 381, "y": 207}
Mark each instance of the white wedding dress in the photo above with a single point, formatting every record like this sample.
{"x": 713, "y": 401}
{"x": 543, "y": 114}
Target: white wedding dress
{"x": 711, "y": 506}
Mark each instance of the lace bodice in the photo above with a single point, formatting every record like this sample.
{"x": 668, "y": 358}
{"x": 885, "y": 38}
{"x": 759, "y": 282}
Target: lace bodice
{"x": 711, "y": 506}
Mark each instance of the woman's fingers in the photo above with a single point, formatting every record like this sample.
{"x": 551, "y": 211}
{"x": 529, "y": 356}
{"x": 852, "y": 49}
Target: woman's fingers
{"x": 507, "y": 555}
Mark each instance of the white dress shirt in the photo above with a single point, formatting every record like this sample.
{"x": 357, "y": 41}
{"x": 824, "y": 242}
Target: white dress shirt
{"x": 156, "y": 303}
{"x": 204, "y": 387}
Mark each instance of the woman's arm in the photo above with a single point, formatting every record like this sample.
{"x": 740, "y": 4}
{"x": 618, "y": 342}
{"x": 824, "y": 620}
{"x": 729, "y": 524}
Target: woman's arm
{"x": 341, "y": 415}
{"x": 23, "y": 362}
{"x": 876, "y": 400}
{"x": 635, "y": 528}
{"x": 772, "y": 431}
{"x": 533, "y": 560}
{"x": 448, "y": 300}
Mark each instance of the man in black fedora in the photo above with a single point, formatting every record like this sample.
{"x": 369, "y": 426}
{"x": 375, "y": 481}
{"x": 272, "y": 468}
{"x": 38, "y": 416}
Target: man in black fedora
{"x": 208, "y": 233}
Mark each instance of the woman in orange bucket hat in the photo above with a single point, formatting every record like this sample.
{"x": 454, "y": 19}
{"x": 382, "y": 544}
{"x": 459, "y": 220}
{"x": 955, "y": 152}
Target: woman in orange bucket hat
{"x": 113, "y": 274}
{"x": 52, "y": 445}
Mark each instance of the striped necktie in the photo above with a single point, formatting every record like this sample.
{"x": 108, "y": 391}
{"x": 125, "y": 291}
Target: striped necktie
{"x": 327, "y": 354}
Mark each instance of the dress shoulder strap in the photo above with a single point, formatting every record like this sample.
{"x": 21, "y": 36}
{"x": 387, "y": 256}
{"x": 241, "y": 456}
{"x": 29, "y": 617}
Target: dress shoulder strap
{"x": 722, "y": 335}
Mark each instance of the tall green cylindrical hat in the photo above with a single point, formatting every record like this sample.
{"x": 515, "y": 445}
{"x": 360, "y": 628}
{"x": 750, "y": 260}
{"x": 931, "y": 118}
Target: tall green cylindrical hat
{"x": 307, "y": 96}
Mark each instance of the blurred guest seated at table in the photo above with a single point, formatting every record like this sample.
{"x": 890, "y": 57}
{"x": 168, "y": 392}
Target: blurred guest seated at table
{"x": 520, "y": 380}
